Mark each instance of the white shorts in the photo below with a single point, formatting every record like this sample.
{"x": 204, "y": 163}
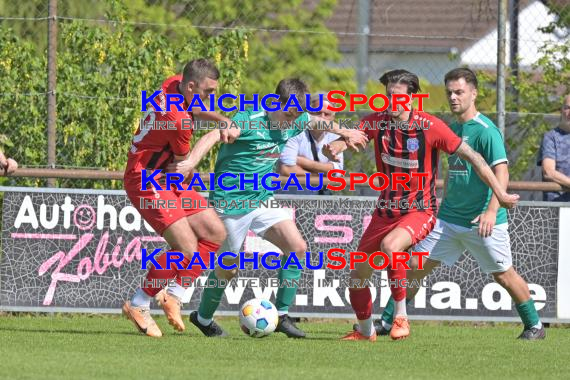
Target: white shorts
{"x": 447, "y": 242}
{"x": 259, "y": 221}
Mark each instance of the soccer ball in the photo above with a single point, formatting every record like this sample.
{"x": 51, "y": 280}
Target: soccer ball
{"x": 258, "y": 318}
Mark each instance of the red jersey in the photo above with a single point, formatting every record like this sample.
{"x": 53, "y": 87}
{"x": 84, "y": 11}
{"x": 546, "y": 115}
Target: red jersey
{"x": 154, "y": 146}
{"x": 411, "y": 150}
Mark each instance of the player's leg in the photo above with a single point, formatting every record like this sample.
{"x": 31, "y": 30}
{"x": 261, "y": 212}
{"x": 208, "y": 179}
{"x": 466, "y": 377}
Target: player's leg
{"x": 494, "y": 256}
{"x": 287, "y": 237}
{"x": 209, "y": 232}
{"x": 172, "y": 226}
{"x": 236, "y": 227}
{"x": 383, "y": 325}
{"x": 410, "y": 229}
{"x": 361, "y": 297}
{"x": 443, "y": 245}
{"x": 399, "y": 240}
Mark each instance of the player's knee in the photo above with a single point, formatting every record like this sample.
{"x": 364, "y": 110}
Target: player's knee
{"x": 186, "y": 247}
{"x": 218, "y": 232}
{"x": 299, "y": 247}
{"x": 226, "y": 274}
{"x": 505, "y": 279}
{"x": 362, "y": 271}
{"x": 389, "y": 246}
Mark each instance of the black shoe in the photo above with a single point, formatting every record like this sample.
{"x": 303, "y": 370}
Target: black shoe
{"x": 380, "y": 330}
{"x": 287, "y": 327}
{"x": 212, "y": 330}
{"x": 533, "y": 334}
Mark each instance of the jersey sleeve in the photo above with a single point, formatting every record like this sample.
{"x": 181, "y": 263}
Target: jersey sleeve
{"x": 367, "y": 126}
{"x": 290, "y": 152}
{"x": 179, "y": 136}
{"x": 440, "y": 136}
{"x": 492, "y": 147}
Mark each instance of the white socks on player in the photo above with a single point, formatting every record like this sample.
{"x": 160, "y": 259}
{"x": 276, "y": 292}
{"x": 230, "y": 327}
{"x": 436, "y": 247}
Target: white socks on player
{"x": 176, "y": 290}
{"x": 204, "y": 321}
{"x": 141, "y": 299}
{"x": 538, "y": 325}
{"x": 367, "y": 327}
{"x": 400, "y": 308}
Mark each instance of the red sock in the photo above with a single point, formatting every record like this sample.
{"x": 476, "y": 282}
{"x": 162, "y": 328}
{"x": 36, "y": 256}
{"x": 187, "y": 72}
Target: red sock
{"x": 204, "y": 248}
{"x": 361, "y": 301}
{"x": 398, "y": 292}
{"x": 154, "y": 274}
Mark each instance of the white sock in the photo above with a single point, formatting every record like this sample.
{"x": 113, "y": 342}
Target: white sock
{"x": 141, "y": 299}
{"x": 400, "y": 308}
{"x": 282, "y": 313}
{"x": 386, "y": 325}
{"x": 367, "y": 327}
{"x": 204, "y": 321}
{"x": 176, "y": 290}
{"x": 538, "y": 325}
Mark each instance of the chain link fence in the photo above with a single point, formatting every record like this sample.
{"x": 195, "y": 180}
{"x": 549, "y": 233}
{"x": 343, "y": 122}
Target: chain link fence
{"x": 108, "y": 51}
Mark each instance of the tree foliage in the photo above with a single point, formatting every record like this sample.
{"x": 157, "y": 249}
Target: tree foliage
{"x": 102, "y": 69}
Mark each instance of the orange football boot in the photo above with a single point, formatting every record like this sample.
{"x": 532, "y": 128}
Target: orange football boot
{"x": 400, "y": 328}
{"x": 171, "y": 306}
{"x": 356, "y": 335}
{"x": 140, "y": 316}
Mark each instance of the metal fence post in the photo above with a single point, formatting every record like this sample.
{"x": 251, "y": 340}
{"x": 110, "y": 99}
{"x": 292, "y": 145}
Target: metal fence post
{"x": 501, "y": 64}
{"x": 362, "y": 55}
{"x": 51, "y": 87}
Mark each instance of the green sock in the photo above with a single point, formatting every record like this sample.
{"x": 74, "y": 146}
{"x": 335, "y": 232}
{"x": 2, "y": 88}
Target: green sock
{"x": 388, "y": 313}
{"x": 528, "y": 314}
{"x": 211, "y": 298}
{"x": 286, "y": 295}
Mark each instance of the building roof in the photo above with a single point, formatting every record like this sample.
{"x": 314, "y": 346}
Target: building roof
{"x": 411, "y": 25}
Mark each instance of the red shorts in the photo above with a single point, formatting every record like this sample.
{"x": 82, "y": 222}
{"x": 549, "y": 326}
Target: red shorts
{"x": 418, "y": 225}
{"x": 161, "y": 218}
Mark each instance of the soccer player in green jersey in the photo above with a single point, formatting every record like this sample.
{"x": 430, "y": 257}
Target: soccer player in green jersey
{"x": 256, "y": 151}
{"x": 475, "y": 222}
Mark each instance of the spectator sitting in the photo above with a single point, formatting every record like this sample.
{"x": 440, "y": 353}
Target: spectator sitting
{"x": 554, "y": 156}
{"x": 303, "y": 153}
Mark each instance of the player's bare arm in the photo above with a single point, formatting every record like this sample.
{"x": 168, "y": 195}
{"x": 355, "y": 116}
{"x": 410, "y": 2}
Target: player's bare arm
{"x": 488, "y": 219}
{"x": 185, "y": 165}
{"x": 551, "y": 174}
{"x": 227, "y": 134}
{"x": 354, "y": 138}
{"x": 486, "y": 174}
{"x": 9, "y": 165}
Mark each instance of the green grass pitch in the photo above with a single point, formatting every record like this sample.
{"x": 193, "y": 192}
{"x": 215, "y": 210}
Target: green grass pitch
{"x": 108, "y": 347}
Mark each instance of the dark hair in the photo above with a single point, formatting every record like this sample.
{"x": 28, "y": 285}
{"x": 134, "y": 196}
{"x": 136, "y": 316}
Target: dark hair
{"x": 404, "y": 77}
{"x": 462, "y": 72}
{"x": 199, "y": 69}
{"x": 292, "y": 86}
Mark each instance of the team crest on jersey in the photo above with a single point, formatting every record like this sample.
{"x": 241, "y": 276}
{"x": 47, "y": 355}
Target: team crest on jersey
{"x": 413, "y": 144}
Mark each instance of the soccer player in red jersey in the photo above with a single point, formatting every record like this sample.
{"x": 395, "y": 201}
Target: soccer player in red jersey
{"x": 164, "y": 139}
{"x": 410, "y": 144}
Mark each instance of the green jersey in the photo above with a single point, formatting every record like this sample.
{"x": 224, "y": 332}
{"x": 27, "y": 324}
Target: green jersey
{"x": 255, "y": 151}
{"x": 467, "y": 196}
